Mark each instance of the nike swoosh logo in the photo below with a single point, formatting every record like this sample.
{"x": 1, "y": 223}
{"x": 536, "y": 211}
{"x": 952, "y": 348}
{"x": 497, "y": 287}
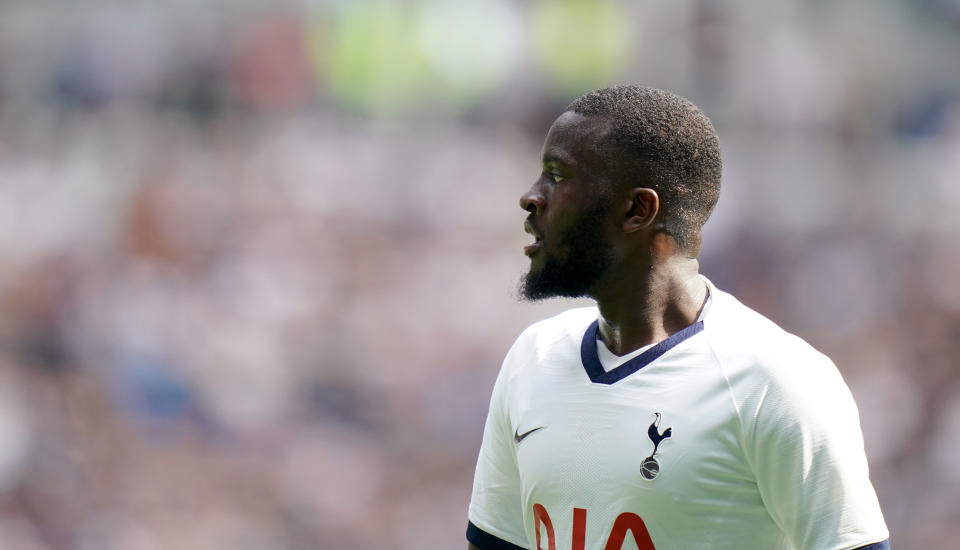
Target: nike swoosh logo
{"x": 518, "y": 437}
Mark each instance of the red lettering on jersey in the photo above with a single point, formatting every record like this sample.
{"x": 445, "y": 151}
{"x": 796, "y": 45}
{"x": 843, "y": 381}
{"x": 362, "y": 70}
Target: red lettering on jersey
{"x": 632, "y": 522}
{"x": 625, "y": 522}
{"x": 540, "y": 517}
{"x": 579, "y": 529}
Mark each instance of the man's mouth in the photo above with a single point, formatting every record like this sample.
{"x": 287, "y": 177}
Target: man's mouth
{"x": 531, "y": 248}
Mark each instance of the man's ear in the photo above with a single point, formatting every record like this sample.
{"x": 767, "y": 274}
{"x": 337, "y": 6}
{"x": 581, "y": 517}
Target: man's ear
{"x": 642, "y": 210}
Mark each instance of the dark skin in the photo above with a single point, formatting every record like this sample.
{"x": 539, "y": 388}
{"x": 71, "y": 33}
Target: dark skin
{"x": 650, "y": 288}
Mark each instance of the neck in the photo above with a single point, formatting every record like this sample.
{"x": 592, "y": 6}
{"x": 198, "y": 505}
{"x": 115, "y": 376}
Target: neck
{"x": 666, "y": 299}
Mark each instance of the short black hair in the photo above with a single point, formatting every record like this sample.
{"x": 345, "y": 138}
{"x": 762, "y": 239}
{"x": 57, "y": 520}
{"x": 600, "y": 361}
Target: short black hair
{"x": 665, "y": 140}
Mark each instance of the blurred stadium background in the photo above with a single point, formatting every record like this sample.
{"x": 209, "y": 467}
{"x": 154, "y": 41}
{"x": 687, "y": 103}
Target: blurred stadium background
{"x": 258, "y": 260}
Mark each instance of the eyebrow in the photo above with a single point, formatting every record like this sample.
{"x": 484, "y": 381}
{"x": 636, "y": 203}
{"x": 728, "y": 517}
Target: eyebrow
{"x": 556, "y": 157}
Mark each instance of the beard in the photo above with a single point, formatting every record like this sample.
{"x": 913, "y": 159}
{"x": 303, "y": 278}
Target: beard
{"x": 584, "y": 257}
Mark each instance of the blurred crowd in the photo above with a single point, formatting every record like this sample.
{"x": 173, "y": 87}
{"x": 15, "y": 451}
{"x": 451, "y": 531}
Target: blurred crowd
{"x": 259, "y": 260}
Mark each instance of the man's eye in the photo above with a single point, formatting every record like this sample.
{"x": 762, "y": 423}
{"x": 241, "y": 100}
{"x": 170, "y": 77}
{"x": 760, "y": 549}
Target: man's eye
{"x": 557, "y": 178}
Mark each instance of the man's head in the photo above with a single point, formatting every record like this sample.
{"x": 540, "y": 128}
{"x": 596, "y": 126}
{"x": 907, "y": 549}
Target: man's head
{"x": 620, "y": 165}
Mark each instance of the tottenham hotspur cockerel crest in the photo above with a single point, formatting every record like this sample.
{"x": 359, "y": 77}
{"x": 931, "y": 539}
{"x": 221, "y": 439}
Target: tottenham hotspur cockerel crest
{"x": 650, "y": 468}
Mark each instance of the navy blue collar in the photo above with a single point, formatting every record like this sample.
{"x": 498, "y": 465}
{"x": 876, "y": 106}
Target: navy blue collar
{"x": 591, "y": 362}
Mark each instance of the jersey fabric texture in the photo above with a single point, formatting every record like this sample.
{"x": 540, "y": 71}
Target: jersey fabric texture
{"x": 730, "y": 434}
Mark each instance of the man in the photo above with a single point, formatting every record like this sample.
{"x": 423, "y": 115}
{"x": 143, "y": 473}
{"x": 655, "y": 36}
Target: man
{"x": 670, "y": 415}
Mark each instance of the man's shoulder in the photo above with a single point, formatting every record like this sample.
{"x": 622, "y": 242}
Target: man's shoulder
{"x": 562, "y": 325}
{"x": 556, "y": 336}
{"x": 747, "y": 342}
{"x": 736, "y": 325}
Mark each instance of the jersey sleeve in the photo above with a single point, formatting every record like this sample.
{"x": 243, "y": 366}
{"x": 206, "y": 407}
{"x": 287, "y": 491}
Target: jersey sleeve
{"x": 803, "y": 441}
{"x": 496, "y": 512}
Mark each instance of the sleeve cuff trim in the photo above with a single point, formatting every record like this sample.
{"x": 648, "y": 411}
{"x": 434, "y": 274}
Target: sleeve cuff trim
{"x": 883, "y": 545}
{"x": 485, "y": 541}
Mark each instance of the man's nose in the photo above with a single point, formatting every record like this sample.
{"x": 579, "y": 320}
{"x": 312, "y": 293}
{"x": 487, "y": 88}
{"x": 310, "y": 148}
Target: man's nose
{"x": 532, "y": 201}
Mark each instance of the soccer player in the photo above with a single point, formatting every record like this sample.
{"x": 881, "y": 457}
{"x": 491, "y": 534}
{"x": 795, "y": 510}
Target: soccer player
{"x": 669, "y": 416}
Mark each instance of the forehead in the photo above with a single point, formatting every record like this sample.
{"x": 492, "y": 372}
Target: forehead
{"x": 575, "y": 139}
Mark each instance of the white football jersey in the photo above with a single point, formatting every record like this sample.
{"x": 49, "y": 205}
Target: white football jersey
{"x": 730, "y": 434}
